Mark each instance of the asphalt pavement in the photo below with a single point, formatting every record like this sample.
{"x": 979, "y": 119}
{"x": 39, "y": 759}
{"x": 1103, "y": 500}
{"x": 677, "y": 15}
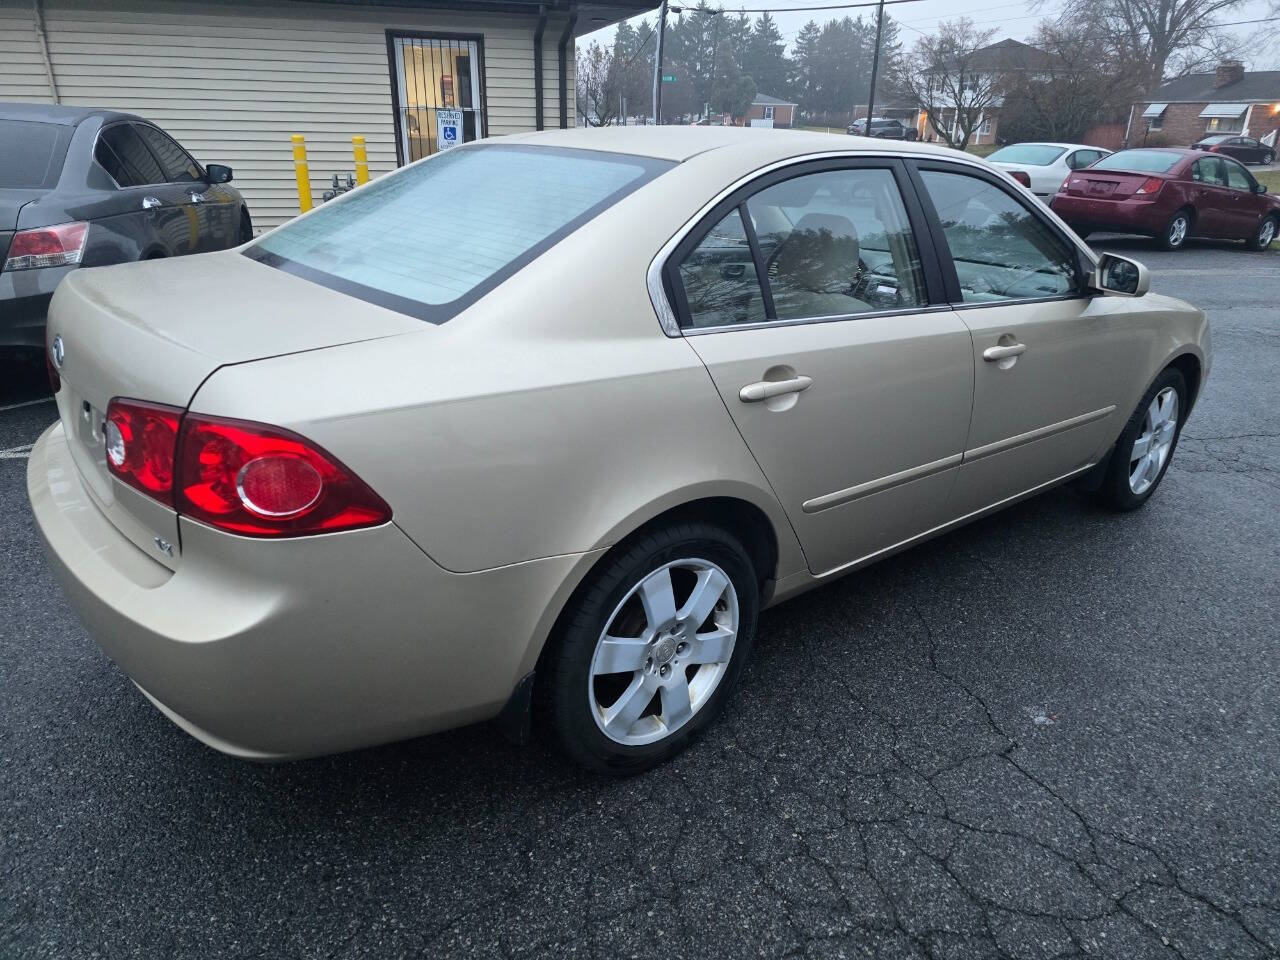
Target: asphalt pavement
{"x": 1054, "y": 733}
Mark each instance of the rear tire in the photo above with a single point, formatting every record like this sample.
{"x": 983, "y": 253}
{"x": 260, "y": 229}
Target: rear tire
{"x": 1146, "y": 446}
{"x": 635, "y": 612}
{"x": 1175, "y": 233}
{"x": 1266, "y": 232}
{"x": 1268, "y": 159}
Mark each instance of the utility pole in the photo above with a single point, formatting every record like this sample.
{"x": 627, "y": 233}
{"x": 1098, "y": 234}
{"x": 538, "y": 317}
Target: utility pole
{"x": 657, "y": 64}
{"x": 875, "y": 65}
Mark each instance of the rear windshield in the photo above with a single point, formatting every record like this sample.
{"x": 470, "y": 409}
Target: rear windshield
{"x": 1145, "y": 161}
{"x": 31, "y": 153}
{"x": 1032, "y": 154}
{"x": 433, "y": 238}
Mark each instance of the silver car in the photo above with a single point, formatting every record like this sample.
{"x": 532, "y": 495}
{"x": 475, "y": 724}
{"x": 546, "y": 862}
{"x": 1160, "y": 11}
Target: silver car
{"x": 536, "y": 427}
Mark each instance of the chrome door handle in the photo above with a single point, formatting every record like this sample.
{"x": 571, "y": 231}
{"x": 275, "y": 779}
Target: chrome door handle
{"x": 150, "y": 203}
{"x": 992, "y": 354}
{"x": 196, "y": 197}
{"x": 764, "y": 389}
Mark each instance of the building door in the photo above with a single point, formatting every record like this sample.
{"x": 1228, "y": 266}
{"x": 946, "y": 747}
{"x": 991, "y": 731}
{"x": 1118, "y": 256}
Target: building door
{"x": 436, "y": 78}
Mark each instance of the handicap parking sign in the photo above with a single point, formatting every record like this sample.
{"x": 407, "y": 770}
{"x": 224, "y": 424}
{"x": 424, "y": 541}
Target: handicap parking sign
{"x": 448, "y": 128}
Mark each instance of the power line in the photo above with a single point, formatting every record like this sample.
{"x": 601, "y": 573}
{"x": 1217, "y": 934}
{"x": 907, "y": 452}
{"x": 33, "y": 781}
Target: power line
{"x": 833, "y": 6}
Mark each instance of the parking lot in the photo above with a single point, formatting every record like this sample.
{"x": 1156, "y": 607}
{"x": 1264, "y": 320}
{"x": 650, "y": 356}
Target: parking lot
{"x": 1053, "y": 733}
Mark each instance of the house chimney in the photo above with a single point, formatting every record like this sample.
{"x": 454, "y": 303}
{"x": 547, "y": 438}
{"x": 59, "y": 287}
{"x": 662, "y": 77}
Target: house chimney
{"x": 1228, "y": 72}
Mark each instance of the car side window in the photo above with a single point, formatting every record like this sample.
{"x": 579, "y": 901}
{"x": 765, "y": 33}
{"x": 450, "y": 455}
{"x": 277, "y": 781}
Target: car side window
{"x": 837, "y": 243}
{"x": 133, "y": 153}
{"x": 1000, "y": 249}
{"x": 112, "y": 163}
{"x": 1086, "y": 158}
{"x": 1237, "y": 176}
{"x": 719, "y": 277}
{"x": 1211, "y": 171}
{"x": 177, "y": 163}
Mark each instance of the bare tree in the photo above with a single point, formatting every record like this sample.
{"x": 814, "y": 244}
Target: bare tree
{"x": 597, "y": 83}
{"x": 951, "y": 83}
{"x": 1163, "y": 37}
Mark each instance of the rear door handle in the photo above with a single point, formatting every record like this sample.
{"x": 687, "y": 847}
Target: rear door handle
{"x": 764, "y": 389}
{"x": 150, "y": 203}
{"x": 992, "y": 354}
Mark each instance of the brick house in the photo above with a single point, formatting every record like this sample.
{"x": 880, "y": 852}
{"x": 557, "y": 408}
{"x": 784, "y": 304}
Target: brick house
{"x": 1229, "y": 100}
{"x": 767, "y": 111}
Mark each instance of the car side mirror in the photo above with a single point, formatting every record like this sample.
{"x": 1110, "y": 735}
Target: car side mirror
{"x": 1121, "y": 276}
{"x": 1259, "y": 188}
{"x": 218, "y": 173}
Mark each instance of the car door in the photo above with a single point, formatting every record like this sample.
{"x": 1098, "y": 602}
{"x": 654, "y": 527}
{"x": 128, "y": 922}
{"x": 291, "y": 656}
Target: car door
{"x": 1244, "y": 208}
{"x": 1050, "y": 361}
{"x": 170, "y": 217}
{"x": 819, "y": 316}
{"x": 214, "y": 207}
{"x": 1212, "y": 198}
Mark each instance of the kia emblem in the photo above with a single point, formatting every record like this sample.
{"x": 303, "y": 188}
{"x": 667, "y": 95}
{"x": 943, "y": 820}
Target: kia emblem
{"x": 59, "y": 352}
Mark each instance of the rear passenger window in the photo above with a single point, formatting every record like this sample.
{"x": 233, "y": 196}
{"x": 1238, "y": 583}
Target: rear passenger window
{"x": 1001, "y": 250}
{"x": 177, "y": 163}
{"x": 133, "y": 154}
{"x": 832, "y": 244}
{"x": 113, "y": 164}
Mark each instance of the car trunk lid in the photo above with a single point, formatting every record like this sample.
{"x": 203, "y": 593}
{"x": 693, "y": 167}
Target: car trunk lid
{"x": 1106, "y": 184}
{"x": 155, "y": 331}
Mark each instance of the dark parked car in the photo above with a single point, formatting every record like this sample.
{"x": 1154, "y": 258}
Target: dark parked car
{"x": 1244, "y": 149}
{"x": 81, "y": 187}
{"x": 1170, "y": 195}
{"x": 882, "y": 129}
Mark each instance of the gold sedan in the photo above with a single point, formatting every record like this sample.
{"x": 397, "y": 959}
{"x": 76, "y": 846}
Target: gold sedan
{"x": 536, "y": 427}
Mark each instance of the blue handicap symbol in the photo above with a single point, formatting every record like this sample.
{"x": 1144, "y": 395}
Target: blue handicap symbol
{"x": 451, "y": 133}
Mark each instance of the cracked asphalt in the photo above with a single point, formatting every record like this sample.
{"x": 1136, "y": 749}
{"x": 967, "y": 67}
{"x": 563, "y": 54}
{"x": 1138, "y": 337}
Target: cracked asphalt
{"x": 1054, "y": 733}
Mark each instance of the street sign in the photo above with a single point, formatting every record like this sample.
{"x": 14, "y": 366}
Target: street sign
{"x": 668, "y": 78}
{"x": 448, "y": 128}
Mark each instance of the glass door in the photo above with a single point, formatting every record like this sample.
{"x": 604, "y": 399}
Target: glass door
{"x": 437, "y": 83}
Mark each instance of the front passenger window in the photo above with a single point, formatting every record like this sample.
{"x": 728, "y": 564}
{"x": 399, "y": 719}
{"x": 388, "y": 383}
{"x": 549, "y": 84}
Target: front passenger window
{"x": 1237, "y": 177}
{"x": 177, "y": 163}
{"x": 1001, "y": 250}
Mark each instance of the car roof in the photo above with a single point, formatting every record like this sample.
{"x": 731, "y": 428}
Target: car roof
{"x": 57, "y": 113}
{"x": 1051, "y": 143}
{"x": 680, "y": 143}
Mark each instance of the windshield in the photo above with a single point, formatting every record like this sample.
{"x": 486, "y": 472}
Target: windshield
{"x": 1032, "y": 154}
{"x": 1145, "y": 161}
{"x": 433, "y": 238}
{"x": 31, "y": 153}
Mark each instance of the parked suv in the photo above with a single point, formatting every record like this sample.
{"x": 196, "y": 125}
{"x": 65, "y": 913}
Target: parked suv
{"x": 81, "y": 187}
{"x": 881, "y": 128}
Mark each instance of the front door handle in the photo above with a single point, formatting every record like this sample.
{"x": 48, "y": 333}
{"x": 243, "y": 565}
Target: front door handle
{"x": 764, "y": 389}
{"x": 150, "y": 203}
{"x": 196, "y": 197}
{"x": 992, "y": 354}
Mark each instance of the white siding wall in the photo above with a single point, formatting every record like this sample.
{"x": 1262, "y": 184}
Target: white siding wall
{"x": 231, "y": 81}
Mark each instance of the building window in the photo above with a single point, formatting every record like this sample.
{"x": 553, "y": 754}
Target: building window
{"x": 436, "y": 80}
{"x": 1156, "y": 122}
{"x": 768, "y": 113}
{"x": 1224, "y": 124}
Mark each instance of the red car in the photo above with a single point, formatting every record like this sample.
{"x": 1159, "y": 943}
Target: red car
{"x": 1170, "y": 195}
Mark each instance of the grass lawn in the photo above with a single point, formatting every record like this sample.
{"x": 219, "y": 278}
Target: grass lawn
{"x": 981, "y": 150}
{"x": 1270, "y": 177}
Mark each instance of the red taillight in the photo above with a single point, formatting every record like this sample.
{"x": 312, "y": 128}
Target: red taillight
{"x": 238, "y": 476}
{"x": 140, "y": 442}
{"x": 58, "y": 246}
{"x": 1215, "y": 149}
{"x": 1150, "y": 187}
{"x": 1021, "y": 176}
{"x": 262, "y": 481}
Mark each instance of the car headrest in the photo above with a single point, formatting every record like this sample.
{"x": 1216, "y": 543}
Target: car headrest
{"x": 820, "y": 253}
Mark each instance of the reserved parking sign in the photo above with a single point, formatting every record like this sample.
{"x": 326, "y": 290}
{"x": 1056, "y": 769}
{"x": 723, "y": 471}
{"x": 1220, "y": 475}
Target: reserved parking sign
{"x": 448, "y": 128}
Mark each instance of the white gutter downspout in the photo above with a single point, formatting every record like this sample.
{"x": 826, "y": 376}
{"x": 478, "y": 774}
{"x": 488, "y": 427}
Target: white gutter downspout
{"x": 38, "y": 13}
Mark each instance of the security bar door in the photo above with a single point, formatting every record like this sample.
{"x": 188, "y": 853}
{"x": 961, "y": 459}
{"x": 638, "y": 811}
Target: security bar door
{"x": 436, "y": 77}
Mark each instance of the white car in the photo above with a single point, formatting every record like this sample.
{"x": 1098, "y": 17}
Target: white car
{"x": 1045, "y": 165}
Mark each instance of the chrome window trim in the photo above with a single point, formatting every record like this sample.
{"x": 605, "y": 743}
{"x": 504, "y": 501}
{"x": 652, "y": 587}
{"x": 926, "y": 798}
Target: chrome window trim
{"x": 670, "y": 323}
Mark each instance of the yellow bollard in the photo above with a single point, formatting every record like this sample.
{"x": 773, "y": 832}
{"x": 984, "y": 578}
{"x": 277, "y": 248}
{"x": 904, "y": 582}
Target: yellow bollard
{"x": 303, "y": 174}
{"x": 362, "y": 160}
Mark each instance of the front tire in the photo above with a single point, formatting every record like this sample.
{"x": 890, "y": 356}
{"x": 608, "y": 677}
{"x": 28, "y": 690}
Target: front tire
{"x": 650, "y": 648}
{"x": 1175, "y": 231}
{"x": 1142, "y": 454}
{"x": 1265, "y": 233}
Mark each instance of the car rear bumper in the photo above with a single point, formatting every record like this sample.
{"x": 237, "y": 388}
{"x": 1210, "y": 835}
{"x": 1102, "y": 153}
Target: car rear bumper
{"x": 24, "y": 304}
{"x": 1123, "y": 216}
{"x": 281, "y": 649}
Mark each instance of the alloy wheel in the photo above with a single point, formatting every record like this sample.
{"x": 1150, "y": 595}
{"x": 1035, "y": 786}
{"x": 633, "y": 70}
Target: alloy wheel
{"x": 1155, "y": 442}
{"x": 1267, "y": 233}
{"x": 1178, "y": 231}
{"x": 663, "y": 651}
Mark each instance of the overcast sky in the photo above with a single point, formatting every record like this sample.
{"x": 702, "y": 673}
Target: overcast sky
{"x": 1015, "y": 20}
